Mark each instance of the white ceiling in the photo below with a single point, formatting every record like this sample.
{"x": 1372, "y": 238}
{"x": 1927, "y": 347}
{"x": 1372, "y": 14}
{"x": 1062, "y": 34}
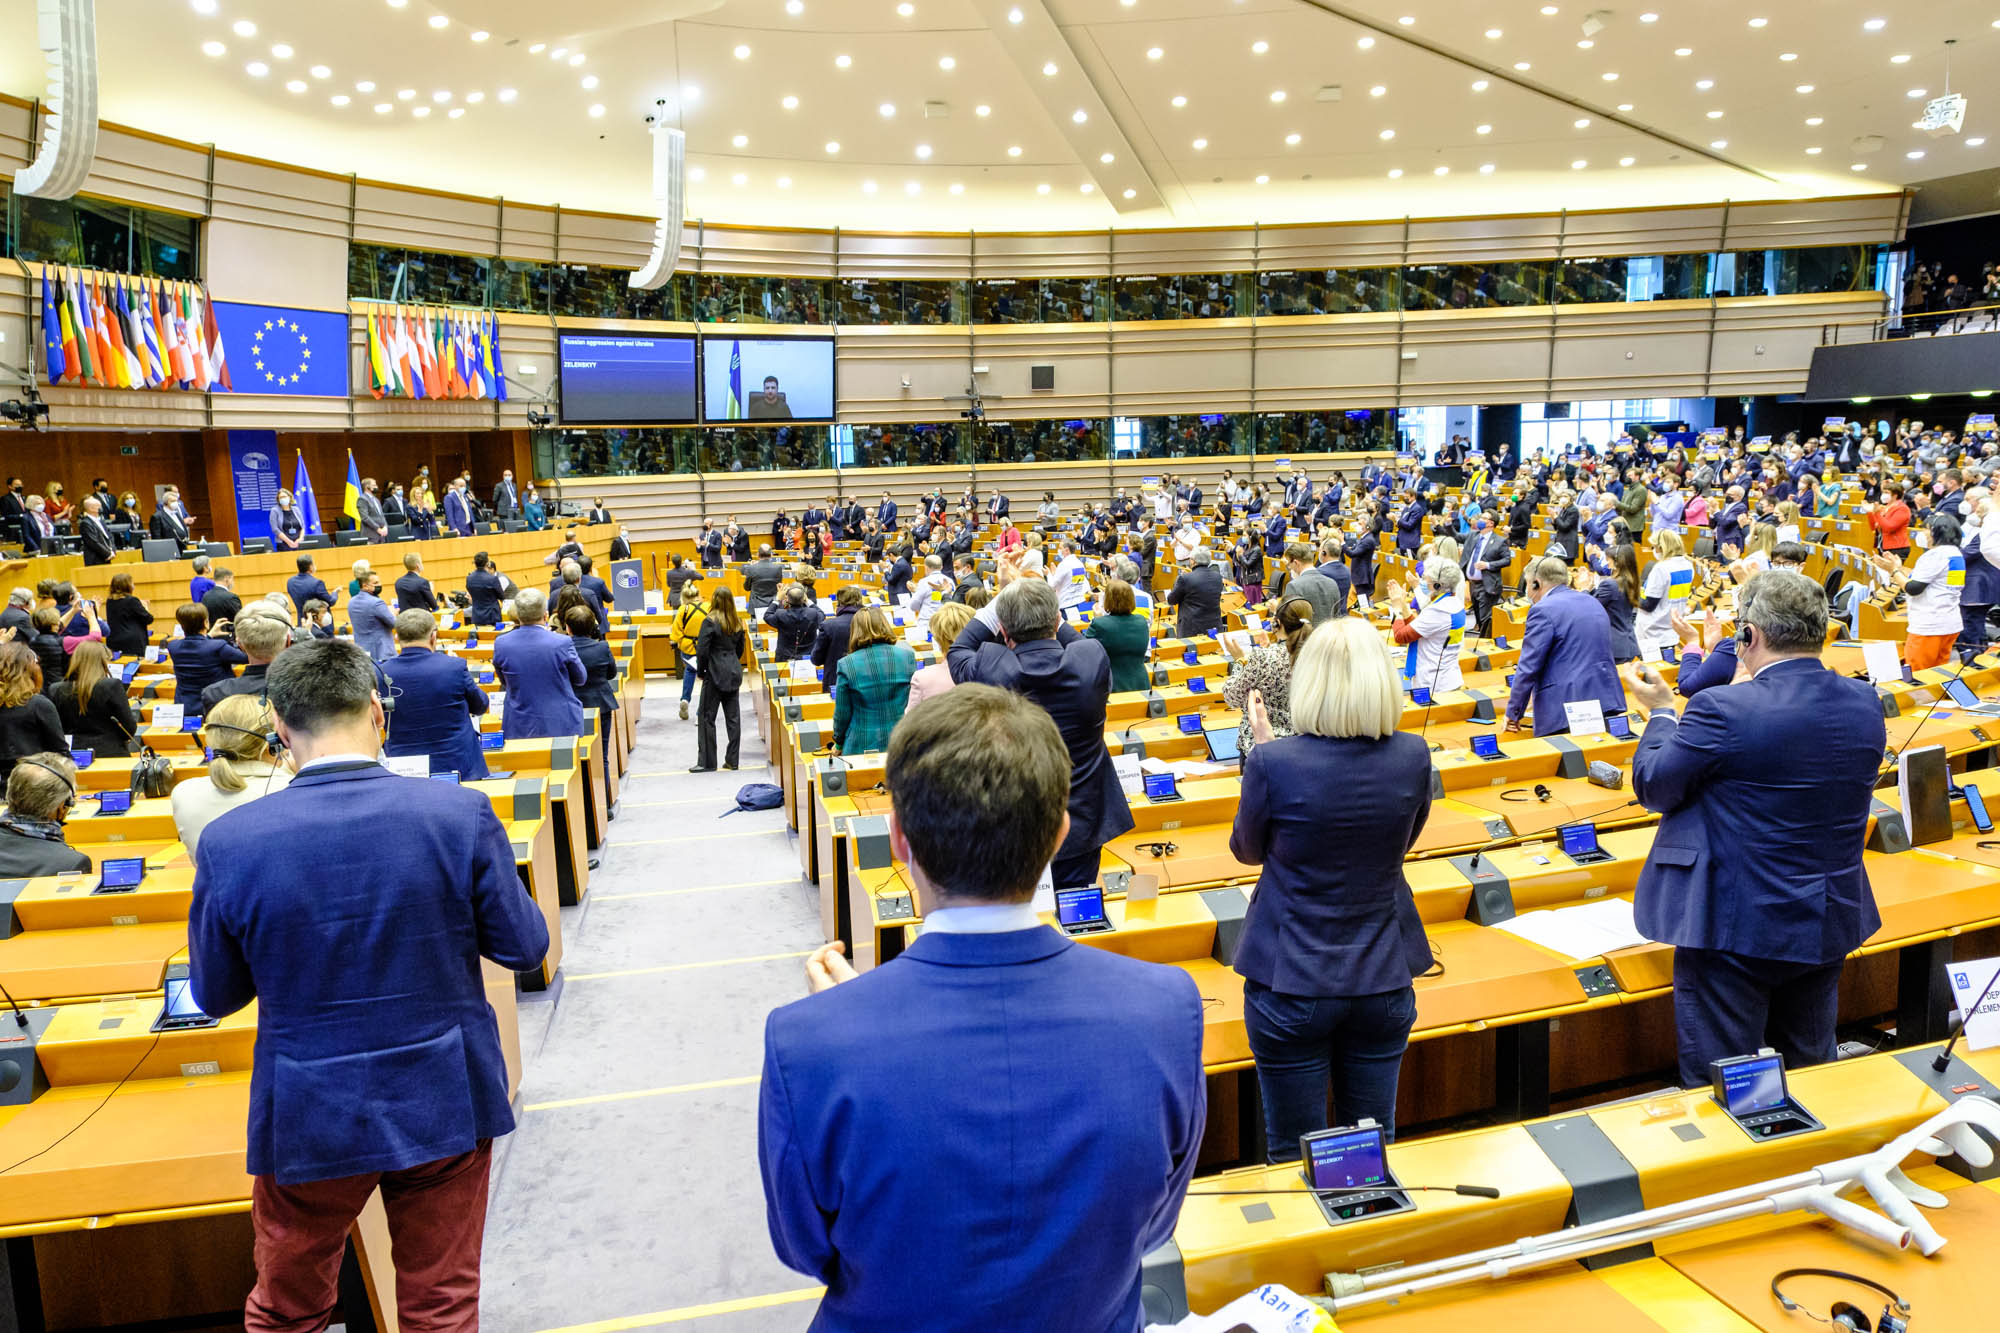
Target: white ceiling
{"x": 545, "y": 144}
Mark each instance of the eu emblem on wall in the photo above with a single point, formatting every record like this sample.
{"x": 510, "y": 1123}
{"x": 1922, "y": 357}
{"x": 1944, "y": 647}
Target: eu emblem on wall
{"x": 283, "y": 350}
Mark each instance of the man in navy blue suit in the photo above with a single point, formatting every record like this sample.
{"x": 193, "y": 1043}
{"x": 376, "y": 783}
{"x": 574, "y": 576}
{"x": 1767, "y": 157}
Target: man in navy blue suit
{"x": 885, "y": 513}
{"x": 1565, "y": 651}
{"x": 437, "y": 697}
{"x": 541, "y": 671}
{"x": 1755, "y": 876}
{"x": 306, "y": 585}
{"x": 378, "y": 1059}
{"x": 199, "y": 659}
{"x": 1011, "y": 1157}
{"x": 1410, "y": 525}
{"x": 458, "y": 509}
{"x": 1019, "y": 642}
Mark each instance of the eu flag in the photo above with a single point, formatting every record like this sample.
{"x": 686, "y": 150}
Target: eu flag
{"x": 303, "y": 498}
{"x": 283, "y": 350}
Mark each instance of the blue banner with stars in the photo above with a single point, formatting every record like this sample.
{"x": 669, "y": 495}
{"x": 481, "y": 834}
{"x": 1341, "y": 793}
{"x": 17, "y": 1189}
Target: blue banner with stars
{"x": 281, "y": 350}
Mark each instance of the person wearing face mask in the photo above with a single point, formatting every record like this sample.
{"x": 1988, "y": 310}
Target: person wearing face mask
{"x": 1565, "y": 652}
{"x": 1487, "y": 556}
{"x": 288, "y": 525}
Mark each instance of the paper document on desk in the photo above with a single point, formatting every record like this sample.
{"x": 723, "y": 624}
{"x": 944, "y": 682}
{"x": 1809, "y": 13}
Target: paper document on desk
{"x": 1182, "y": 768}
{"x": 1587, "y": 930}
{"x": 1968, "y": 979}
{"x": 1883, "y": 661}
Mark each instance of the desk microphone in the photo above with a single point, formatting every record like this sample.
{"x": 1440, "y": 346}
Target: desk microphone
{"x": 1943, "y": 1058}
{"x": 1470, "y": 1191}
{"x": 22, "y": 1018}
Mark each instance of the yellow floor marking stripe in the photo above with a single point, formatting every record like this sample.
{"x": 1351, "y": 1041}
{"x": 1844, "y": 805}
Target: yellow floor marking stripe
{"x": 705, "y": 888}
{"x": 688, "y": 1312}
{"x": 685, "y": 967}
{"x": 641, "y": 1092}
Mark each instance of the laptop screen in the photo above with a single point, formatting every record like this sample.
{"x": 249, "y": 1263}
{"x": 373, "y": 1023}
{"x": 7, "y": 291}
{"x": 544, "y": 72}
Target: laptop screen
{"x": 1224, "y": 745}
{"x": 115, "y": 802}
{"x": 122, "y": 872}
{"x": 1486, "y": 747}
{"x": 1161, "y": 787}
{"x": 1075, "y": 907}
{"x": 1578, "y": 839}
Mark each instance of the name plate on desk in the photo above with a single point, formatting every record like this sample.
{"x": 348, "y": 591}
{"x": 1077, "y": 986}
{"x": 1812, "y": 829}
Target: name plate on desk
{"x": 168, "y": 717}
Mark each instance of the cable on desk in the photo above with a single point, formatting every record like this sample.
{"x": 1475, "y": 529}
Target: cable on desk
{"x": 102, "y": 1103}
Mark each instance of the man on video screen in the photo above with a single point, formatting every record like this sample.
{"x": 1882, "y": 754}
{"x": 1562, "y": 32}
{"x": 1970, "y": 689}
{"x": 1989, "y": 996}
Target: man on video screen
{"x": 770, "y": 405}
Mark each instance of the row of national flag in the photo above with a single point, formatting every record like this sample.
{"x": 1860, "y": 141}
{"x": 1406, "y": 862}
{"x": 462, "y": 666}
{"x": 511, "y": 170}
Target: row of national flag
{"x": 117, "y": 331}
{"x": 434, "y": 352}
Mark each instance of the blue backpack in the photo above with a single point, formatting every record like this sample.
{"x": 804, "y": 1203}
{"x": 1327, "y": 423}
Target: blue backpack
{"x": 756, "y": 796}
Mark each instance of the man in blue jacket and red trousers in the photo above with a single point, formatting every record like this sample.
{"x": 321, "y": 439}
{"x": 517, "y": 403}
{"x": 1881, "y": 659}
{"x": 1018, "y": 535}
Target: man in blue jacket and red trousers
{"x": 1755, "y": 877}
{"x": 378, "y": 1059}
{"x": 1009, "y": 1159}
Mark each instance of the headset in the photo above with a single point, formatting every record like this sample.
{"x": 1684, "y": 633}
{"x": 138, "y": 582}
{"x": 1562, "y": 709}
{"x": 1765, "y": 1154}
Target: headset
{"x": 1895, "y": 1317}
{"x": 271, "y": 738}
{"x": 69, "y": 805}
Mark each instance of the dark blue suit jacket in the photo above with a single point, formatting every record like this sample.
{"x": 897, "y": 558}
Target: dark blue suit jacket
{"x": 437, "y": 697}
{"x": 1699, "y": 672}
{"x": 1274, "y": 536}
{"x": 542, "y": 673}
{"x": 376, "y": 1047}
{"x": 458, "y": 513}
{"x": 1565, "y": 657}
{"x": 885, "y": 514}
{"x": 1029, "y": 1133}
{"x": 302, "y": 588}
{"x": 1332, "y": 914}
{"x": 1070, "y": 678}
{"x": 1410, "y": 525}
{"x": 1763, "y": 790}
{"x": 1730, "y": 526}
{"x": 198, "y": 664}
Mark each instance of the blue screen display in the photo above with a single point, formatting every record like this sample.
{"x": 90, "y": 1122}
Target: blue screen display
{"x": 1076, "y": 906}
{"x": 626, "y": 379}
{"x": 491, "y": 740}
{"x": 1346, "y": 1159}
{"x": 1190, "y": 723}
{"x": 123, "y": 872}
{"x": 115, "y": 802}
{"x": 1578, "y": 839}
{"x": 1486, "y": 747}
{"x": 1754, "y": 1085}
{"x": 1161, "y": 787}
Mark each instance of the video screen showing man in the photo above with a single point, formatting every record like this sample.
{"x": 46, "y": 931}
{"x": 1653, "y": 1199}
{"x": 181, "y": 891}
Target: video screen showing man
{"x": 770, "y": 405}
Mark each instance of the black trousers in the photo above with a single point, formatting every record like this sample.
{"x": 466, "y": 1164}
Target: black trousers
{"x": 712, "y": 702}
{"x": 1483, "y": 603}
{"x": 1069, "y": 872}
{"x": 1730, "y": 1004}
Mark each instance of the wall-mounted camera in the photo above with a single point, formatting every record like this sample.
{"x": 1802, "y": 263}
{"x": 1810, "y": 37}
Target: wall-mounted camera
{"x": 29, "y": 410}
{"x": 541, "y": 420}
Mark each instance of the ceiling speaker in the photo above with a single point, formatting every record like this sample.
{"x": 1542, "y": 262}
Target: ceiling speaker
{"x": 66, "y": 31}
{"x": 670, "y": 193}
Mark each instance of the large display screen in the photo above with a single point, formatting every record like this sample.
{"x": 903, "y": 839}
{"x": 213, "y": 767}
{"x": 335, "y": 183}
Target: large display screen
{"x": 627, "y": 379}
{"x": 758, "y": 380}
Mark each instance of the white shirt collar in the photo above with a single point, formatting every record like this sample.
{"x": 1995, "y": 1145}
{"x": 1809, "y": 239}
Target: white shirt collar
{"x": 993, "y": 919}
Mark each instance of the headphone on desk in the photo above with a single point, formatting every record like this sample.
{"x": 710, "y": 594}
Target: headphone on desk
{"x": 51, "y": 768}
{"x": 1895, "y": 1317}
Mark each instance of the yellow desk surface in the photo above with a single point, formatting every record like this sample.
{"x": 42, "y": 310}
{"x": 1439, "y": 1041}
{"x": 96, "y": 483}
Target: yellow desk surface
{"x": 65, "y": 902}
{"x": 1578, "y": 1299}
{"x": 44, "y": 965}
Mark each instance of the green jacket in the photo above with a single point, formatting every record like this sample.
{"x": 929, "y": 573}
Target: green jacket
{"x": 869, "y": 693}
{"x": 1127, "y": 641}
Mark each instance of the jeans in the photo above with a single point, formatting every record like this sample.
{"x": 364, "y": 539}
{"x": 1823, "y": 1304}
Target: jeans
{"x": 1302, "y": 1041}
{"x": 687, "y": 677}
{"x": 712, "y": 701}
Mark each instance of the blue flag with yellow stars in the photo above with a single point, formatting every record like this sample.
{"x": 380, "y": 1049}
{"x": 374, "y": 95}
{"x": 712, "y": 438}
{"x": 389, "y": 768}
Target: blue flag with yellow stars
{"x": 282, "y": 350}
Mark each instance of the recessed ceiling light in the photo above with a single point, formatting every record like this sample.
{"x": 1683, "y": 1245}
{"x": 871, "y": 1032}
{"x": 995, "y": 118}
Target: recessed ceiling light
{"x": 214, "y": 49}
{"x": 1408, "y": 20}
{"x": 1578, "y": 165}
{"x": 1292, "y": 140}
{"x": 1624, "y": 106}
{"x": 1014, "y": 15}
{"x": 1550, "y": 11}
{"x": 1259, "y": 47}
{"x": 420, "y": 111}
{"x": 365, "y": 86}
{"x": 1041, "y": 189}
{"x": 1610, "y": 76}
{"x": 740, "y": 141}
{"x": 906, "y": 9}
{"x": 1179, "y": 100}
{"x": 1440, "y": 171}
{"x": 1494, "y": 34}
{"x": 1079, "y": 116}
{"x": 1154, "y": 53}
{"x": 887, "y": 108}
{"x": 281, "y": 51}
{"x": 340, "y": 99}
{"x": 1482, "y": 129}
{"x": 1386, "y": 135}
{"x": 475, "y": 96}
{"x": 1107, "y": 158}
{"x": 596, "y": 110}
{"x": 739, "y": 179}
{"x": 868, "y": 187}
{"x": 384, "y": 108}
{"x": 1812, "y": 152}
{"x": 1129, "y": 194}
{"x": 1718, "y": 143}
{"x": 1277, "y": 94}
{"x": 697, "y": 174}
{"x": 1365, "y": 43}
{"x": 244, "y": 28}
{"x": 957, "y": 187}
{"x": 1704, "y": 85}
{"x": 1803, "y": 88}
{"x": 538, "y": 48}
{"x": 1049, "y": 70}
{"x": 1395, "y": 173}
{"x": 506, "y": 94}
{"x": 923, "y": 150}
{"x": 320, "y": 72}
{"x": 1486, "y": 168}
{"x": 588, "y": 81}
{"x": 1857, "y": 166}
{"x": 794, "y": 8}
{"x": 559, "y": 53}
{"x": 1480, "y": 85}
{"x": 690, "y": 92}
{"x": 832, "y": 145}
{"x": 440, "y": 97}
{"x": 296, "y": 86}
{"x": 1013, "y": 150}
{"x": 398, "y": 4}
{"x": 946, "y": 62}
{"x": 842, "y": 62}
{"x": 1815, "y": 120}
{"x": 982, "y": 110}
{"x": 257, "y": 69}
{"x": 456, "y": 112}
{"x": 790, "y": 103}
{"x": 1649, "y": 18}
{"x": 203, "y": 6}
{"x": 1627, "y": 161}
{"x": 1522, "y": 66}
{"x": 1914, "y": 154}
{"x": 912, "y": 187}
{"x": 741, "y": 52}
{"x": 1788, "y": 55}
{"x": 1582, "y": 123}
{"x": 439, "y": 21}
{"x": 1758, "y": 22}
{"x": 1915, "y": 92}
{"x": 1715, "y": 115}
{"x": 1683, "y": 50}
{"x": 1377, "y": 91}
{"x": 1200, "y": 144}
{"x": 1975, "y": 143}
{"x": 1899, "y": 60}
{"x": 1263, "y": 180}
{"x": 405, "y": 94}
{"x": 1585, "y": 44}
{"x": 1875, "y": 25}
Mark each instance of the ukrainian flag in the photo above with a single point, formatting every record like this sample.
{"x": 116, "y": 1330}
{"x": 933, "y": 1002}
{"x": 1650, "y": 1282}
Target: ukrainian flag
{"x": 1954, "y": 572}
{"x": 736, "y": 410}
{"x": 1680, "y": 585}
{"x": 350, "y": 503}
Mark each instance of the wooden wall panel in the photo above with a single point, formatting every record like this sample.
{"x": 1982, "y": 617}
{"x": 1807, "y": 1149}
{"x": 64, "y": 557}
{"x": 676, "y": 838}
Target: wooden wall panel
{"x": 139, "y": 169}
{"x": 1135, "y": 253}
{"x": 602, "y": 238}
{"x": 1198, "y": 365}
{"x": 1080, "y": 353}
{"x": 389, "y": 215}
{"x": 258, "y": 194}
{"x": 1497, "y": 360}
{"x": 918, "y": 255}
{"x": 709, "y": 248}
{"x": 1326, "y": 362}
{"x": 1065, "y": 254}
{"x": 873, "y": 360}
{"x": 527, "y": 231}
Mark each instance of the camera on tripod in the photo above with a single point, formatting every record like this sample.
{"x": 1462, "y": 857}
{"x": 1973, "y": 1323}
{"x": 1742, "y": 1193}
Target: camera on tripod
{"x": 29, "y": 409}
